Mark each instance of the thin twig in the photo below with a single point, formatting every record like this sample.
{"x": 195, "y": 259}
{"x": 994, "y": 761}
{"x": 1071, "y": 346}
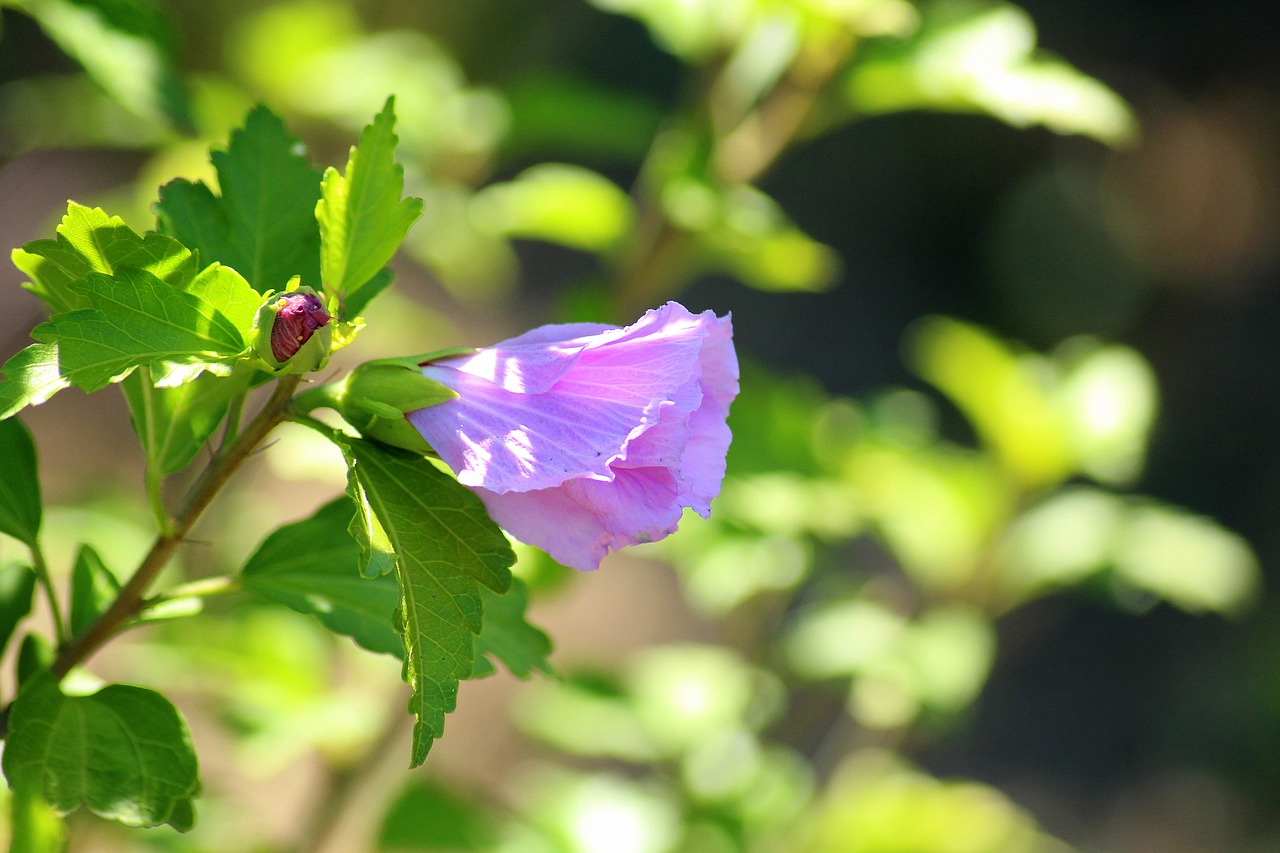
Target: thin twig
{"x": 130, "y": 601}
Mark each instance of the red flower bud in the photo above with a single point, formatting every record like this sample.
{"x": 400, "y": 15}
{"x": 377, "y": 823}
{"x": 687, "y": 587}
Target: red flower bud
{"x": 297, "y": 318}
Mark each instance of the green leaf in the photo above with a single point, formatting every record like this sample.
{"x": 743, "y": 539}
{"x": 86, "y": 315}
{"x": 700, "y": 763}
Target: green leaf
{"x": 123, "y": 751}
{"x": 445, "y": 545}
{"x": 31, "y": 376}
{"x": 312, "y": 566}
{"x": 173, "y": 423}
{"x": 362, "y": 218}
{"x": 225, "y": 289}
{"x": 90, "y": 241}
{"x": 125, "y": 46}
{"x": 427, "y": 816}
{"x": 558, "y": 203}
{"x": 37, "y": 828}
{"x": 35, "y": 656}
{"x": 981, "y": 58}
{"x": 377, "y": 555}
{"x": 263, "y": 225}
{"x": 138, "y": 320}
{"x": 93, "y": 588}
{"x": 20, "y": 507}
{"x": 507, "y": 637}
{"x": 17, "y": 584}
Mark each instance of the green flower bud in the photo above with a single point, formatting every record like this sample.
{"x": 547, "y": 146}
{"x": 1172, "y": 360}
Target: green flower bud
{"x": 294, "y": 331}
{"x": 376, "y": 395}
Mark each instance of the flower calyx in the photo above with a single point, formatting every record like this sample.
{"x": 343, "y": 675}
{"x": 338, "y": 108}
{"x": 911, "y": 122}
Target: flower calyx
{"x": 376, "y": 395}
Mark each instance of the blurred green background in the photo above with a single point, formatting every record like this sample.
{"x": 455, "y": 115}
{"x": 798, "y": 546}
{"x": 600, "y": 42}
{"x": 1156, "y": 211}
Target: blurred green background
{"x": 989, "y": 572}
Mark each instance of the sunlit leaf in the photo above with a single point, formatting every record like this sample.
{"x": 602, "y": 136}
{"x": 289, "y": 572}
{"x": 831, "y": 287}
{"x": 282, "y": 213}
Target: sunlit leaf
{"x": 263, "y": 223}
{"x": 126, "y": 46}
{"x": 1190, "y": 561}
{"x": 137, "y": 320}
{"x": 557, "y": 203}
{"x": 445, "y": 546}
{"x": 363, "y": 219}
{"x": 981, "y": 58}
{"x": 877, "y": 804}
{"x": 90, "y": 241}
{"x": 31, "y": 376}
{"x": 124, "y": 752}
{"x": 1008, "y": 398}
{"x": 312, "y": 566}
{"x": 36, "y": 827}
{"x": 20, "y": 507}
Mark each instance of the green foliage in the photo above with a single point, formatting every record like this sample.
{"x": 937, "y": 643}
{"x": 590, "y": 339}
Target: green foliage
{"x": 139, "y": 321}
{"x": 445, "y": 547}
{"x": 878, "y": 805}
{"x": 36, "y": 827}
{"x": 125, "y": 46}
{"x": 20, "y": 506}
{"x": 262, "y": 224}
{"x": 559, "y": 203}
{"x": 93, "y": 588}
{"x": 88, "y": 241}
{"x": 123, "y": 751}
{"x": 361, "y": 215}
{"x": 17, "y": 583}
{"x": 174, "y": 422}
{"x": 981, "y": 57}
{"x": 428, "y": 816}
{"x": 311, "y": 566}
{"x": 507, "y": 637}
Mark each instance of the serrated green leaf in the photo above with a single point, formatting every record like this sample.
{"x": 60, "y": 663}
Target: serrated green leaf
{"x": 124, "y": 752}
{"x": 17, "y": 583}
{"x": 20, "y": 508}
{"x": 138, "y": 320}
{"x": 125, "y": 46}
{"x": 263, "y": 224}
{"x": 445, "y": 544}
{"x": 88, "y": 240}
{"x": 312, "y": 566}
{"x": 507, "y": 637}
{"x": 362, "y": 218}
{"x": 93, "y": 588}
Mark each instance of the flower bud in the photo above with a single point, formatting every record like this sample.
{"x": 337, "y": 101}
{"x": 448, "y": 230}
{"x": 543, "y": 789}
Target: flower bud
{"x": 376, "y": 395}
{"x": 294, "y": 331}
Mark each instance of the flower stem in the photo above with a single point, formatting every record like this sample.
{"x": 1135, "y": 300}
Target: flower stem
{"x": 41, "y": 567}
{"x": 130, "y": 601}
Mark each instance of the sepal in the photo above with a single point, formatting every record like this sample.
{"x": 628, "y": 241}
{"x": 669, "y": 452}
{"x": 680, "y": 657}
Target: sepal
{"x": 375, "y": 397}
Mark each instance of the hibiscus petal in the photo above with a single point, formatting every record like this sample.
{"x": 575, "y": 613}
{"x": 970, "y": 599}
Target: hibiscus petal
{"x": 581, "y": 522}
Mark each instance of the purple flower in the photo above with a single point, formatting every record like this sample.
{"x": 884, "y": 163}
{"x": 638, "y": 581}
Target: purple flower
{"x": 581, "y": 438}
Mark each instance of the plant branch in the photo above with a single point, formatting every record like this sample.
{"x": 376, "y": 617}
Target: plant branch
{"x": 130, "y": 600}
